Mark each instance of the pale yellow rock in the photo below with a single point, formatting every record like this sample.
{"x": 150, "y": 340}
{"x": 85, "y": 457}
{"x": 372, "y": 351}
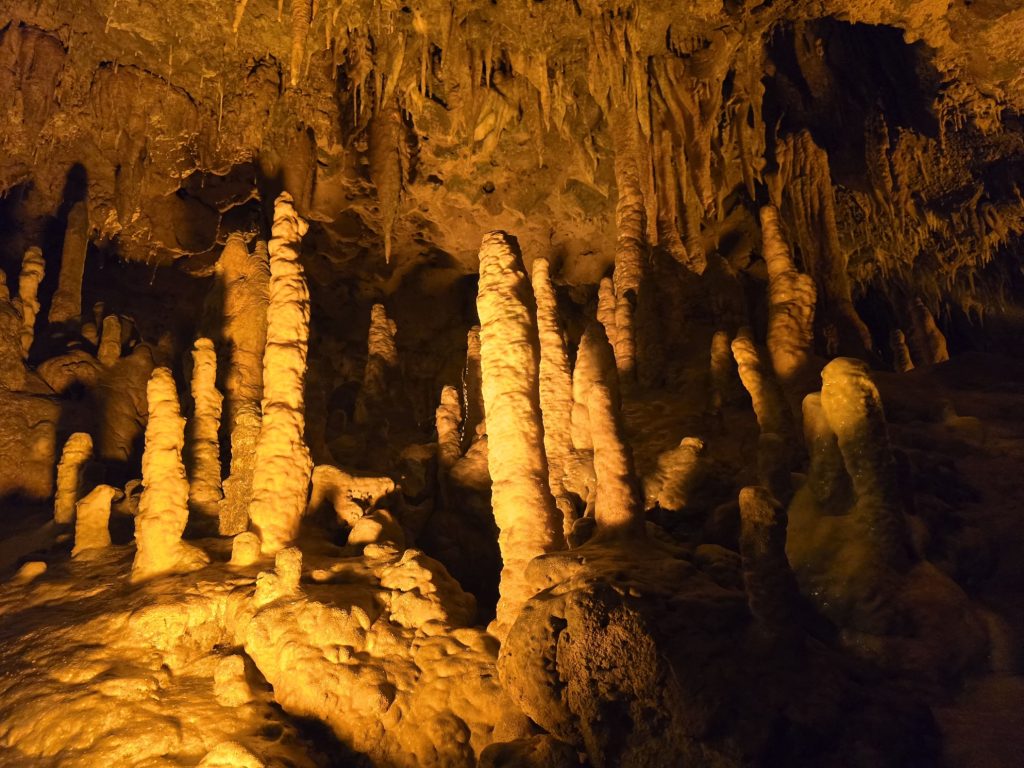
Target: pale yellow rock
{"x": 618, "y": 508}
{"x": 377, "y": 527}
{"x": 283, "y": 581}
{"x": 770, "y": 406}
{"x": 204, "y": 427}
{"x": 347, "y": 494}
{"x": 381, "y": 365}
{"x": 66, "y": 304}
{"x": 447, "y": 419}
{"x": 109, "y": 351}
{"x": 32, "y": 270}
{"x": 230, "y": 754}
{"x": 524, "y": 508}
{"x": 29, "y": 572}
{"x": 230, "y": 686}
{"x": 245, "y": 280}
{"x": 606, "y": 308}
{"x": 676, "y": 477}
{"x": 77, "y": 451}
{"x": 92, "y": 520}
{"x": 245, "y": 549}
{"x": 163, "y": 508}
{"x": 281, "y": 478}
{"x": 791, "y": 300}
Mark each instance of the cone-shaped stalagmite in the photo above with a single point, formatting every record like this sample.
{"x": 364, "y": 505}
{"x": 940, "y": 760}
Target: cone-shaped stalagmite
{"x": 67, "y": 301}
{"x": 92, "y": 520}
{"x": 245, "y": 279}
{"x": 204, "y": 445}
{"x": 77, "y": 451}
{"x": 447, "y": 419}
{"x": 109, "y": 351}
{"x": 618, "y": 510}
{"x": 555, "y": 389}
{"x": 524, "y": 509}
{"x": 280, "y": 482}
{"x": 772, "y": 591}
{"x": 770, "y": 407}
{"x": 381, "y": 365}
{"x": 901, "y": 362}
{"x": 32, "y": 270}
{"x": 926, "y": 340}
{"x": 791, "y": 300}
{"x": 163, "y": 508}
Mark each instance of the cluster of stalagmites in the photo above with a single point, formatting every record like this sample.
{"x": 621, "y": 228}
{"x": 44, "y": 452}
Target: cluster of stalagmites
{"x": 618, "y": 641}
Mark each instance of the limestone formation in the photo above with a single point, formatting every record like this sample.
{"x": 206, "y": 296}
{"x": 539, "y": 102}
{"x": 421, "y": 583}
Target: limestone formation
{"x": 203, "y": 443}
{"x": 12, "y": 367}
{"x": 348, "y": 495}
{"x": 524, "y": 509}
{"x": 606, "y": 308}
{"x": 901, "y": 361}
{"x": 110, "y": 341}
{"x": 926, "y": 340}
{"x": 722, "y": 367}
{"x": 772, "y": 592}
{"x": 472, "y": 389}
{"x": 121, "y": 394}
{"x": 770, "y": 407}
{"x": 677, "y": 477}
{"x": 556, "y": 401}
{"x": 618, "y": 510}
{"x": 381, "y": 365}
{"x": 32, "y": 270}
{"x": 66, "y": 305}
{"x": 281, "y": 478}
{"x": 163, "y": 508}
{"x": 791, "y": 301}
{"x": 447, "y": 420}
{"x": 70, "y": 476}
{"x": 245, "y": 549}
{"x": 244, "y": 280}
{"x": 92, "y": 520}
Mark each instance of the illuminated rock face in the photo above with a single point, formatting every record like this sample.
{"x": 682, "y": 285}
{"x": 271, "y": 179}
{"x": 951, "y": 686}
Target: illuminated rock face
{"x": 283, "y": 465}
{"x": 524, "y": 509}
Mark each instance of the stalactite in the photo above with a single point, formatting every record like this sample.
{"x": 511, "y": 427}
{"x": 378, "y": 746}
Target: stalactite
{"x": 447, "y": 419}
{"x": 802, "y": 188}
{"x": 92, "y": 520}
{"x": 204, "y": 473}
{"x": 282, "y": 474}
{"x": 472, "y": 389}
{"x": 901, "y": 361}
{"x": 618, "y": 509}
{"x": 385, "y": 139}
{"x": 853, "y": 408}
{"x": 524, "y": 509}
{"x": 772, "y": 592}
{"x": 32, "y": 270}
{"x": 629, "y": 248}
{"x": 70, "y": 476}
{"x": 926, "y": 340}
{"x": 770, "y": 407}
{"x": 66, "y": 305}
{"x": 791, "y": 300}
{"x": 302, "y": 17}
{"x": 555, "y": 389}
{"x": 245, "y": 282}
{"x": 163, "y": 508}
{"x": 239, "y": 14}
{"x": 110, "y": 341}
{"x": 381, "y": 366}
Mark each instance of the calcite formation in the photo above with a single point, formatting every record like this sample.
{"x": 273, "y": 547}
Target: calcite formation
{"x": 281, "y": 477}
{"x": 92, "y": 520}
{"x": 66, "y": 305}
{"x": 204, "y": 472}
{"x": 381, "y": 365}
{"x": 109, "y": 351}
{"x": 32, "y": 270}
{"x": 70, "y": 476}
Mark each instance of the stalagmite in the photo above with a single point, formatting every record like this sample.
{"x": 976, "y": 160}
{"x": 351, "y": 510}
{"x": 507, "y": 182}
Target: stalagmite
{"x": 556, "y": 401}
{"x": 163, "y": 508}
{"x": 32, "y": 270}
{"x": 92, "y": 519}
{"x": 66, "y": 305}
{"x": 618, "y": 510}
{"x": 245, "y": 280}
{"x": 349, "y": 495}
{"x": 447, "y": 419}
{"x": 204, "y": 426}
{"x": 853, "y": 408}
{"x": 281, "y": 479}
{"x": 12, "y": 366}
{"x": 606, "y": 308}
{"x": 826, "y": 476}
{"x": 722, "y": 367}
{"x": 381, "y": 365}
{"x": 472, "y": 389}
{"x": 926, "y": 340}
{"x": 245, "y": 549}
{"x": 629, "y": 248}
{"x": 772, "y": 591}
{"x": 901, "y": 361}
{"x": 77, "y": 451}
{"x": 524, "y": 509}
{"x": 110, "y": 342}
{"x": 769, "y": 403}
{"x": 791, "y": 300}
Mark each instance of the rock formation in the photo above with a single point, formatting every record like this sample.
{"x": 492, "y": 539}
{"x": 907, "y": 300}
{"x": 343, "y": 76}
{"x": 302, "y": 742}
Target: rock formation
{"x": 203, "y": 444}
{"x": 70, "y": 476}
{"x": 32, "y": 269}
{"x": 66, "y": 305}
{"x": 381, "y": 365}
{"x": 92, "y": 520}
{"x": 110, "y": 341}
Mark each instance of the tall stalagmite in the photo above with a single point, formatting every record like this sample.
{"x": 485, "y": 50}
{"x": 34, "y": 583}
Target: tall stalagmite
{"x": 773, "y": 415}
{"x": 204, "y": 426}
{"x": 618, "y": 509}
{"x": 555, "y": 389}
{"x": 472, "y": 389}
{"x": 77, "y": 451}
{"x": 381, "y": 366}
{"x": 791, "y": 300}
{"x": 163, "y": 508}
{"x": 66, "y": 305}
{"x": 32, "y": 270}
{"x": 109, "y": 351}
{"x": 245, "y": 280}
{"x": 524, "y": 509}
{"x": 447, "y": 419}
{"x": 280, "y": 482}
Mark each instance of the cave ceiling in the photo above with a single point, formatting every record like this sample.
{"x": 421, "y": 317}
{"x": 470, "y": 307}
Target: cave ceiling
{"x": 406, "y": 130}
